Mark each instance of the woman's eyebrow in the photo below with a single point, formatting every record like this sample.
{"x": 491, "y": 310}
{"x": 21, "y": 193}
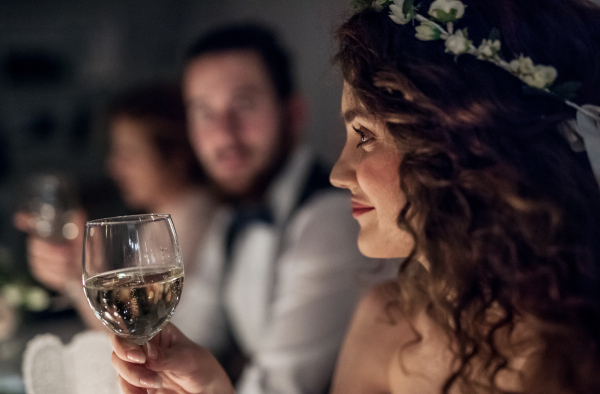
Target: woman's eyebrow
{"x": 352, "y": 113}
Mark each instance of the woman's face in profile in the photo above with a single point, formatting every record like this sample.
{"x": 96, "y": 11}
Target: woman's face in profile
{"x": 135, "y": 164}
{"x": 369, "y": 168}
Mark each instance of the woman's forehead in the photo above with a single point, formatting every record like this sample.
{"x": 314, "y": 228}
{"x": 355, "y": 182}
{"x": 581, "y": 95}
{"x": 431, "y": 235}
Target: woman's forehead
{"x": 353, "y": 108}
{"x": 351, "y": 105}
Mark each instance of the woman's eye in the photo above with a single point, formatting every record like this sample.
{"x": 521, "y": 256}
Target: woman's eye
{"x": 365, "y": 138}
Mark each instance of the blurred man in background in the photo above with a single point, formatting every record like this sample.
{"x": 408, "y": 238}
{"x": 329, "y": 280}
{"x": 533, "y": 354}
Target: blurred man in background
{"x": 280, "y": 274}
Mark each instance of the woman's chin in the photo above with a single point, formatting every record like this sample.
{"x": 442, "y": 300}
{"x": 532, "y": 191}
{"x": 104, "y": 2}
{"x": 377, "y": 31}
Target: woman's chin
{"x": 384, "y": 247}
{"x": 375, "y": 251}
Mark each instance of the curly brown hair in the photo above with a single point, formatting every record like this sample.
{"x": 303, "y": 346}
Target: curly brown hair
{"x": 505, "y": 212}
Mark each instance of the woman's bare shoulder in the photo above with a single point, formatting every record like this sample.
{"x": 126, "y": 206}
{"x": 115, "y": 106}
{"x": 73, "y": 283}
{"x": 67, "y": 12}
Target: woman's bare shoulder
{"x": 378, "y": 306}
{"x": 387, "y": 352}
{"x": 375, "y": 333}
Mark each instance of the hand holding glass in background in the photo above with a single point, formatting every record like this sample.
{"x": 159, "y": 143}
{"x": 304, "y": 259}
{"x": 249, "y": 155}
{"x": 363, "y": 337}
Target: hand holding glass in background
{"x": 47, "y": 205}
{"x": 48, "y": 210}
{"x": 132, "y": 273}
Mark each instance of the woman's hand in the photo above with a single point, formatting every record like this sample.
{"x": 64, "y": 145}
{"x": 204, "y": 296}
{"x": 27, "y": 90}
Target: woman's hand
{"x": 55, "y": 265}
{"x": 168, "y": 363}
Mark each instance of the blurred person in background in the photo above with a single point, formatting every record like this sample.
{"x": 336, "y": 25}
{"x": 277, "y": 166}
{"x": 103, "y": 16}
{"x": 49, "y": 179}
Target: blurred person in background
{"x": 279, "y": 281}
{"x": 151, "y": 161}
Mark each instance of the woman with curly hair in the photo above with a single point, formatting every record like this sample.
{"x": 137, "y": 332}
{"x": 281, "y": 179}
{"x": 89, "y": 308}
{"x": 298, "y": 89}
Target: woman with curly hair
{"x": 494, "y": 203}
{"x": 468, "y": 158}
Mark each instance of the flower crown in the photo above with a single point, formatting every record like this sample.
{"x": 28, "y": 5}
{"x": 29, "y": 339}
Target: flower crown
{"x": 538, "y": 79}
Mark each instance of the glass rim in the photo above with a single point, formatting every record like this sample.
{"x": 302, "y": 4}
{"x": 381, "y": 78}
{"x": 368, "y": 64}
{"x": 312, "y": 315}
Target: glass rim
{"x": 128, "y": 219}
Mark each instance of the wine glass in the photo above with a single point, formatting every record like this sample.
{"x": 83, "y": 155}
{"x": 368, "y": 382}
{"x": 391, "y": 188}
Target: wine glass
{"x": 132, "y": 273}
{"x": 47, "y": 205}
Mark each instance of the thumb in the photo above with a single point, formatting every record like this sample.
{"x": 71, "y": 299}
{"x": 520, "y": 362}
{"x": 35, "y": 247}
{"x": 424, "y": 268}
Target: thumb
{"x": 190, "y": 365}
{"x": 179, "y": 359}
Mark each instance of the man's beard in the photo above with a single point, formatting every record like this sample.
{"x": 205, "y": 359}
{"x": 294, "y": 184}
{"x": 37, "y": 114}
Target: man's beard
{"x": 261, "y": 181}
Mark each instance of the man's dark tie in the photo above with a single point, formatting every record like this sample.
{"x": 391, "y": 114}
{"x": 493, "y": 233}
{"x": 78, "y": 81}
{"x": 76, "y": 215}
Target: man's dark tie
{"x": 235, "y": 359}
{"x": 242, "y": 218}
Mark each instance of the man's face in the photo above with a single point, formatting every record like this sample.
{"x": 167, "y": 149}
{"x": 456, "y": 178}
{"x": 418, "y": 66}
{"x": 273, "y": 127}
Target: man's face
{"x": 235, "y": 118}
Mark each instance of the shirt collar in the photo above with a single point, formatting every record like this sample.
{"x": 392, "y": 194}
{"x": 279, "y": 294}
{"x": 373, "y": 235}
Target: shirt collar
{"x": 285, "y": 189}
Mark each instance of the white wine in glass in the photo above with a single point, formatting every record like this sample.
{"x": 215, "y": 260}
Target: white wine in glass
{"x": 132, "y": 273}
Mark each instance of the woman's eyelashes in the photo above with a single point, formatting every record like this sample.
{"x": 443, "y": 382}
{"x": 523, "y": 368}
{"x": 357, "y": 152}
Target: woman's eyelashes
{"x": 365, "y": 136}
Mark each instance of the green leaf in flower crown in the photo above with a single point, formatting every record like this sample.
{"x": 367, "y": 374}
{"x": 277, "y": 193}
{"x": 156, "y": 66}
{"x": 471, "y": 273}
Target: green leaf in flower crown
{"x": 540, "y": 92}
{"x": 357, "y": 5}
{"x": 537, "y": 92}
{"x": 494, "y": 34}
{"x": 567, "y": 90}
{"x": 445, "y": 17}
{"x": 409, "y": 9}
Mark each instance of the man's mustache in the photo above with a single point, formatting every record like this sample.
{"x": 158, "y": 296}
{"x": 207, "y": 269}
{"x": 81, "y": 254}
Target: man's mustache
{"x": 237, "y": 150}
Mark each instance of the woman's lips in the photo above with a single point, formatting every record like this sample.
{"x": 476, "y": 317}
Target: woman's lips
{"x": 359, "y": 209}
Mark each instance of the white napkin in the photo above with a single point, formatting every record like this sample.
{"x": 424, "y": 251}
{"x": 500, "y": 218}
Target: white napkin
{"x": 81, "y": 367}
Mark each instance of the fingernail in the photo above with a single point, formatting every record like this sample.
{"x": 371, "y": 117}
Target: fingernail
{"x": 151, "y": 351}
{"x": 151, "y": 382}
{"x": 137, "y": 356}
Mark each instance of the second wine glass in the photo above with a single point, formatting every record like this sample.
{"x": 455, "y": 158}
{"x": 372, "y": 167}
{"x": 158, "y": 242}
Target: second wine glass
{"x": 132, "y": 273}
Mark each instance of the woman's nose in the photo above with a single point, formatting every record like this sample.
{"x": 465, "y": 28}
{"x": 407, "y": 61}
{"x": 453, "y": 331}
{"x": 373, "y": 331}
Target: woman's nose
{"x": 343, "y": 173}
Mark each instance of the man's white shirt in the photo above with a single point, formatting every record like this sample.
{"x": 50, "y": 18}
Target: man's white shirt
{"x": 290, "y": 288}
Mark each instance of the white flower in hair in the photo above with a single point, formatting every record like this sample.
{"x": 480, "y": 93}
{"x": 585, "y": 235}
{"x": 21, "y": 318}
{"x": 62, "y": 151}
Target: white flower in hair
{"x": 522, "y": 66}
{"x": 541, "y": 77}
{"x": 427, "y": 31}
{"x": 488, "y": 49}
{"x": 445, "y": 13}
{"x": 458, "y": 43}
{"x": 536, "y": 76}
{"x": 396, "y": 13}
{"x": 447, "y": 10}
